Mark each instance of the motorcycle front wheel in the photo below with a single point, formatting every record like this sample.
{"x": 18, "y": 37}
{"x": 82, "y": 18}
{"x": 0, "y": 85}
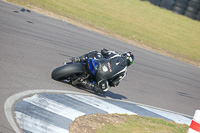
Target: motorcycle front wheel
{"x": 65, "y": 71}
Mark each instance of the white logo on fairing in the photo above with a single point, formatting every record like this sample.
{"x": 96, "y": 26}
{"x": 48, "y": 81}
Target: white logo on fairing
{"x": 103, "y": 86}
{"x": 117, "y": 63}
{"x": 105, "y": 69}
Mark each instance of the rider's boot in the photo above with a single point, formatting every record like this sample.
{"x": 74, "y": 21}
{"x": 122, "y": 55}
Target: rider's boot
{"x": 88, "y": 85}
{"x": 98, "y": 90}
{"x": 92, "y": 86}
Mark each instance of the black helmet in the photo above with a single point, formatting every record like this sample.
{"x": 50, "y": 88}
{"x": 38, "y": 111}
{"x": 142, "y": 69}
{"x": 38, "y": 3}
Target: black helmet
{"x": 130, "y": 57}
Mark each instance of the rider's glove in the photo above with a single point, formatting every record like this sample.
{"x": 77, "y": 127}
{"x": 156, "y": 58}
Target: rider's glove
{"x": 75, "y": 59}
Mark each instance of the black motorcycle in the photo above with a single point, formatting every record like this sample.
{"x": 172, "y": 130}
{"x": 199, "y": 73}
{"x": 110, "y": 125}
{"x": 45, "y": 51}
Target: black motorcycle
{"x": 79, "y": 74}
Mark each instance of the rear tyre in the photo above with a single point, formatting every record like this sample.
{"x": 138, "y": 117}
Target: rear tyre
{"x": 183, "y": 1}
{"x": 178, "y": 10}
{"x": 180, "y": 4}
{"x": 194, "y": 5}
{"x": 155, "y": 2}
{"x": 197, "y": 1}
{"x": 190, "y": 14}
{"x": 198, "y": 16}
{"x": 167, "y": 4}
{"x": 192, "y": 9}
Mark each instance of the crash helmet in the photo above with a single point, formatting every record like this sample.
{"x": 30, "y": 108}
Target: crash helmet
{"x": 129, "y": 57}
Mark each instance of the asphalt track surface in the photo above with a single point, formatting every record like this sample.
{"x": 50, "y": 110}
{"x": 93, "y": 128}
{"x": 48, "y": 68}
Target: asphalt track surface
{"x": 32, "y": 45}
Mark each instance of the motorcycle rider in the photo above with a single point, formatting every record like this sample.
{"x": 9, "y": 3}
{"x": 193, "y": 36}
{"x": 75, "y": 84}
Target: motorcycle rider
{"x": 111, "y": 65}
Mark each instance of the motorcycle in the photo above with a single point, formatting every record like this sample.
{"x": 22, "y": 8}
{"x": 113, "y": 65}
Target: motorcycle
{"x": 79, "y": 74}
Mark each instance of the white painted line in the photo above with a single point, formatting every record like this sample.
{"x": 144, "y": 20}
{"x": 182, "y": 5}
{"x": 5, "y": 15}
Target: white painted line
{"x": 54, "y": 107}
{"x": 172, "y": 116}
{"x": 34, "y": 125}
{"x": 100, "y": 104}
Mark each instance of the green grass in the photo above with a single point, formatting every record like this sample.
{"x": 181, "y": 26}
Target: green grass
{"x": 138, "y": 124}
{"x": 132, "y": 19}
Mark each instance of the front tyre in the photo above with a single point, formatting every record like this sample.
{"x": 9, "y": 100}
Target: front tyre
{"x": 63, "y": 72}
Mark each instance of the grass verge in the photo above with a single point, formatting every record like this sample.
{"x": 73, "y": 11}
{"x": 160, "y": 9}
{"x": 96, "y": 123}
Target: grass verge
{"x": 159, "y": 29}
{"x": 138, "y": 124}
{"x": 116, "y": 123}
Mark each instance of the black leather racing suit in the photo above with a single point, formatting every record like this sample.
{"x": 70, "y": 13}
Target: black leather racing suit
{"x": 111, "y": 70}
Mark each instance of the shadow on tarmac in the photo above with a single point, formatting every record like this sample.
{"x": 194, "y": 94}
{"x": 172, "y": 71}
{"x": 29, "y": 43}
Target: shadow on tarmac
{"x": 109, "y": 94}
{"x": 114, "y": 95}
